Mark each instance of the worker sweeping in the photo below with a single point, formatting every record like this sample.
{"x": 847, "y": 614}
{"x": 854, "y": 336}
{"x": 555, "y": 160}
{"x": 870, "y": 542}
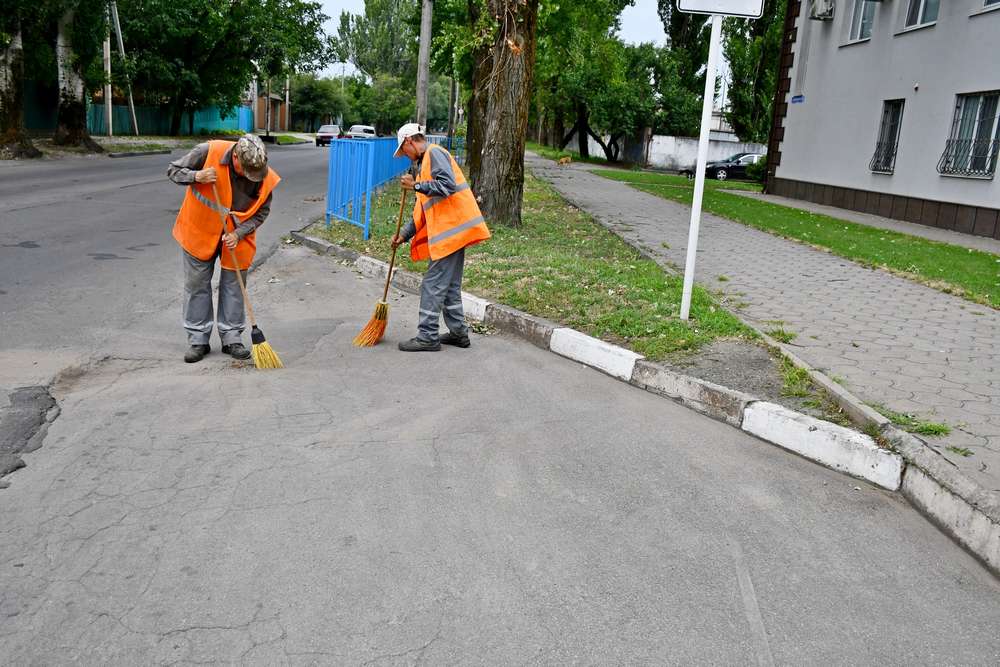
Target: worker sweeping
{"x": 446, "y": 220}
{"x": 239, "y": 174}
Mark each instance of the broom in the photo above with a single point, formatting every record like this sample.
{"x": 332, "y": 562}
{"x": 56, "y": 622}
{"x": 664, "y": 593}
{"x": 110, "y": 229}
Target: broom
{"x": 375, "y": 329}
{"x": 264, "y": 355}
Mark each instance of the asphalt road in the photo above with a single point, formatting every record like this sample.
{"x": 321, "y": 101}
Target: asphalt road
{"x": 497, "y": 506}
{"x": 492, "y": 506}
{"x": 86, "y": 246}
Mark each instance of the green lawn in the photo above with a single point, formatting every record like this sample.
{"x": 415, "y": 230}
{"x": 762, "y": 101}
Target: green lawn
{"x": 555, "y": 154}
{"x": 971, "y": 274}
{"x": 287, "y": 140}
{"x": 562, "y": 265}
{"x": 655, "y": 178}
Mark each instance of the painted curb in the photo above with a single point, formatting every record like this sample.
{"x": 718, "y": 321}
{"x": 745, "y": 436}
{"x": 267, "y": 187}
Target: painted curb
{"x": 165, "y": 151}
{"x": 956, "y": 504}
{"x": 834, "y": 446}
{"x": 535, "y": 330}
{"x": 703, "y": 396}
{"x": 594, "y": 352}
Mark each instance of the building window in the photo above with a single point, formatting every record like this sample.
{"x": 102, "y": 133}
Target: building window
{"x": 971, "y": 149}
{"x": 922, "y": 12}
{"x": 884, "y": 160}
{"x": 862, "y": 19}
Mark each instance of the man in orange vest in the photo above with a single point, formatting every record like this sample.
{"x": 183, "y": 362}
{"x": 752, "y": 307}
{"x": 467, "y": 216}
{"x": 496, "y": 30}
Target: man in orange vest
{"x": 240, "y": 174}
{"x": 446, "y": 220}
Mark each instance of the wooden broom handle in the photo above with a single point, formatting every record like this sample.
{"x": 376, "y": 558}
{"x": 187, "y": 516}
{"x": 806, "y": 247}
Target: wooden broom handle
{"x": 232, "y": 255}
{"x": 392, "y": 262}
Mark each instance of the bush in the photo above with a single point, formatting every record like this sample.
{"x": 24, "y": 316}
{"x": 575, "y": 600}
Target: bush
{"x": 756, "y": 172}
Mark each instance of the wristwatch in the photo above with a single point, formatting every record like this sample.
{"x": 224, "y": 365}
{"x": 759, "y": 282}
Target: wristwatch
{"x": 416, "y": 187}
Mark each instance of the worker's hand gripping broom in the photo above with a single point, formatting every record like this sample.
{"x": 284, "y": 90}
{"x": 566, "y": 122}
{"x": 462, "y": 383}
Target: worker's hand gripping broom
{"x": 263, "y": 355}
{"x": 375, "y": 329}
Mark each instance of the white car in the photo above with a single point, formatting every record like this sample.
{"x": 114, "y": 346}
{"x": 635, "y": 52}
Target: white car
{"x": 361, "y": 132}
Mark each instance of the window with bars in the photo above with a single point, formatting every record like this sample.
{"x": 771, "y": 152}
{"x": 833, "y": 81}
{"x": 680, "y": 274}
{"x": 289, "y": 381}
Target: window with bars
{"x": 862, "y": 20}
{"x": 971, "y": 149}
{"x": 922, "y": 12}
{"x": 884, "y": 160}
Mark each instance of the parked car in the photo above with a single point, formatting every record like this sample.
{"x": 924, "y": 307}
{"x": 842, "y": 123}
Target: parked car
{"x": 328, "y": 133}
{"x": 361, "y": 132}
{"x": 734, "y": 166}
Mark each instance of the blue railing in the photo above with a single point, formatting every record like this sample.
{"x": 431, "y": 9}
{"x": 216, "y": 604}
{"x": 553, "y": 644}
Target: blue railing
{"x": 357, "y": 167}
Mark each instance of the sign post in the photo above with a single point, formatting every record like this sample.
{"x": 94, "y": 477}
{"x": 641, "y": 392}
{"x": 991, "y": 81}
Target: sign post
{"x": 717, "y": 9}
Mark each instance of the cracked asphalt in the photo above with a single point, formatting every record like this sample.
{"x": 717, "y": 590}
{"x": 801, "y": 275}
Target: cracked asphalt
{"x": 497, "y": 505}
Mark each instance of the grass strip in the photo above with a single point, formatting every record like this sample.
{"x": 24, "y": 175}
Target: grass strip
{"x": 971, "y": 274}
{"x": 556, "y": 154}
{"x": 563, "y": 266}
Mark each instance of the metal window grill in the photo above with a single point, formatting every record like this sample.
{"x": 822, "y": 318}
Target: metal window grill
{"x": 975, "y": 137}
{"x": 884, "y": 159}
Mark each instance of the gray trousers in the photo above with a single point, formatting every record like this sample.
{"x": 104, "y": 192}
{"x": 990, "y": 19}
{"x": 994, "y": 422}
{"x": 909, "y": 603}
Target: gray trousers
{"x": 198, "y": 314}
{"x": 441, "y": 292}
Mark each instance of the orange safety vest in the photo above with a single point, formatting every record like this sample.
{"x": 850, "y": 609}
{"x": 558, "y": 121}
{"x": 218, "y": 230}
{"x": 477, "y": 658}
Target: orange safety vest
{"x": 445, "y": 224}
{"x": 198, "y": 228}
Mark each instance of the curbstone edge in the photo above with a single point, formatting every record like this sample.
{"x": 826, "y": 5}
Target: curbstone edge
{"x": 834, "y": 446}
{"x": 613, "y": 360}
{"x": 535, "y": 330}
{"x": 702, "y": 396}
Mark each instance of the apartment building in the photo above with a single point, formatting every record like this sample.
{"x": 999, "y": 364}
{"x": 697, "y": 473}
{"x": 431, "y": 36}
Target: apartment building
{"x": 891, "y": 107}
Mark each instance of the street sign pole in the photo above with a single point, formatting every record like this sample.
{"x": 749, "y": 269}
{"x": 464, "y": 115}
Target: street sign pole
{"x": 699, "y": 173}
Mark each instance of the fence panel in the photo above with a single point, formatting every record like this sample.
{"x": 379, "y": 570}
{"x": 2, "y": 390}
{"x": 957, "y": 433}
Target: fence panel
{"x": 156, "y": 121}
{"x": 455, "y": 145}
{"x": 357, "y": 167}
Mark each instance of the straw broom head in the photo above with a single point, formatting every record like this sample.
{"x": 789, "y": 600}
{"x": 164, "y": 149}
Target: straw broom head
{"x": 264, "y": 355}
{"x": 375, "y": 329}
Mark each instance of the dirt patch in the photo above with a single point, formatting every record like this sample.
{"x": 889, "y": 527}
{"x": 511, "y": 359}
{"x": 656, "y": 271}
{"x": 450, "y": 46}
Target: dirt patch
{"x": 739, "y": 365}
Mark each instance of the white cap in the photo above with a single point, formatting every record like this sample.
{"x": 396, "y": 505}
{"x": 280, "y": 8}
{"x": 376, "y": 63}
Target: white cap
{"x": 405, "y": 132}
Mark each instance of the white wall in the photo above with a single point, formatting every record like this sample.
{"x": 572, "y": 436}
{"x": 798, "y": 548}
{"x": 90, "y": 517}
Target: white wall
{"x": 673, "y": 153}
{"x": 830, "y": 137}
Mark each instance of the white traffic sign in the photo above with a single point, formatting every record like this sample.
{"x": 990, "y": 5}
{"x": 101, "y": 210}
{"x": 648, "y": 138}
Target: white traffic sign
{"x": 748, "y": 9}
{"x": 717, "y": 8}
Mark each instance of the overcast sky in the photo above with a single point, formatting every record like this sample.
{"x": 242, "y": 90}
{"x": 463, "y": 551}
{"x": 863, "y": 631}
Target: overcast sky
{"x": 640, "y": 23}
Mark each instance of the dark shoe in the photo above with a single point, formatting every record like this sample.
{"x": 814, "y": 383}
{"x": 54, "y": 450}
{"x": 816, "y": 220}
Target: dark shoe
{"x": 458, "y": 340}
{"x": 236, "y": 351}
{"x": 417, "y": 345}
{"x": 196, "y": 353}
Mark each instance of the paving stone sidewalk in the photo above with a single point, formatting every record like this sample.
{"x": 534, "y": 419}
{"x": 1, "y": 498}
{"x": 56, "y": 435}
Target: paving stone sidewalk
{"x": 893, "y": 341}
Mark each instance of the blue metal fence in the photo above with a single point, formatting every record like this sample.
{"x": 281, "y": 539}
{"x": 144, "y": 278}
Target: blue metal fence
{"x": 356, "y": 168}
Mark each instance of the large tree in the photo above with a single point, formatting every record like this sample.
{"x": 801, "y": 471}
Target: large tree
{"x": 316, "y": 100}
{"x": 753, "y": 50}
{"x": 19, "y": 18}
{"x": 382, "y": 40}
{"x": 506, "y": 91}
{"x": 80, "y": 27}
{"x": 189, "y": 54}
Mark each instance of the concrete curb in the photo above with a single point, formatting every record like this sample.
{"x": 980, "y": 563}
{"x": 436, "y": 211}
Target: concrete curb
{"x": 955, "y": 503}
{"x": 165, "y": 151}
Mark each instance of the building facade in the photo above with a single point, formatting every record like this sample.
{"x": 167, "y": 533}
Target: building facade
{"x": 891, "y": 107}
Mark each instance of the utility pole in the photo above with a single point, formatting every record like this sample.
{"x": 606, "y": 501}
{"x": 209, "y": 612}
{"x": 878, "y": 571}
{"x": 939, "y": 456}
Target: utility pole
{"x": 121, "y": 50}
{"x": 108, "y": 114}
{"x": 424, "y": 61}
{"x": 453, "y": 94}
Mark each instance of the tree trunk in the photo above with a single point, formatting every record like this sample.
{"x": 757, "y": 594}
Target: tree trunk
{"x": 558, "y": 130}
{"x": 71, "y": 125}
{"x": 14, "y": 142}
{"x": 424, "y": 60}
{"x": 582, "y": 123}
{"x": 452, "y": 96}
{"x": 500, "y": 186}
{"x": 482, "y": 65}
{"x": 176, "y": 115}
